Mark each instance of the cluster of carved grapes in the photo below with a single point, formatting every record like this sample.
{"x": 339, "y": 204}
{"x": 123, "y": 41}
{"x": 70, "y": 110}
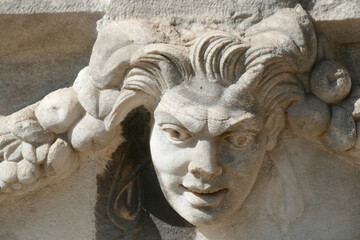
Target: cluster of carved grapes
{"x": 331, "y": 109}
{"x": 43, "y": 141}
{"x": 29, "y": 152}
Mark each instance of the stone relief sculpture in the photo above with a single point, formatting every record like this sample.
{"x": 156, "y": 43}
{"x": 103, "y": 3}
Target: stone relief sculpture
{"x": 205, "y": 112}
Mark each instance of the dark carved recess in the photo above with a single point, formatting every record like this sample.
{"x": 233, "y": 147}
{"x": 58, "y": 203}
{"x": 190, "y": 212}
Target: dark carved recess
{"x": 128, "y": 190}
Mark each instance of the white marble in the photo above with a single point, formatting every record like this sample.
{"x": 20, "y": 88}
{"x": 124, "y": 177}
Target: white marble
{"x": 253, "y": 127}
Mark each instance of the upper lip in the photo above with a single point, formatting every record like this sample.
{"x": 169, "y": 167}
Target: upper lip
{"x": 207, "y": 190}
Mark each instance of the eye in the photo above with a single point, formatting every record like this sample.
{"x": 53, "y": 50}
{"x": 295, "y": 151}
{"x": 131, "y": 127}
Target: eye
{"x": 240, "y": 140}
{"x": 175, "y": 133}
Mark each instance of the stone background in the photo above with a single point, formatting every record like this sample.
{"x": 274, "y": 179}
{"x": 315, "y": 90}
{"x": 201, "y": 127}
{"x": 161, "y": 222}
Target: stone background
{"x": 44, "y": 44}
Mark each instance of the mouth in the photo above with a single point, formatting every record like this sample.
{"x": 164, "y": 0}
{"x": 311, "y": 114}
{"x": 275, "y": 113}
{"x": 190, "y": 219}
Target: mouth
{"x": 209, "y": 197}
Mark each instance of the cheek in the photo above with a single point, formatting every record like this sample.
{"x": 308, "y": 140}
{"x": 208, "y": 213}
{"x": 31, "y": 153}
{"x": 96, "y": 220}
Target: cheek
{"x": 242, "y": 163}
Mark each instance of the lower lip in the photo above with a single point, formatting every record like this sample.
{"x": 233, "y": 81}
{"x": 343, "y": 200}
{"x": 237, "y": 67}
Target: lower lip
{"x": 204, "y": 199}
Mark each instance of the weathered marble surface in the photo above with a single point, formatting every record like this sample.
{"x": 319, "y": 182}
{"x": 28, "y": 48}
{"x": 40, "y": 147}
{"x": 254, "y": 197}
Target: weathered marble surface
{"x": 300, "y": 177}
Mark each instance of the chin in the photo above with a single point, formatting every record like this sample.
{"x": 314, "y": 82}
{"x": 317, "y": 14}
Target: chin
{"x": 206, "y": 216}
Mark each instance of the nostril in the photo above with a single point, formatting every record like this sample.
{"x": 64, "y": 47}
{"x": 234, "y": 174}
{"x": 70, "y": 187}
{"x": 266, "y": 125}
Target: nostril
{"x": 195, "y": 173}
{"x": 206, "y": 169}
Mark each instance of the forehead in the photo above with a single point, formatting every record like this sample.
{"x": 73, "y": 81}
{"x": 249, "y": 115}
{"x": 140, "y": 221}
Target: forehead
{"x": 203, "y": 107}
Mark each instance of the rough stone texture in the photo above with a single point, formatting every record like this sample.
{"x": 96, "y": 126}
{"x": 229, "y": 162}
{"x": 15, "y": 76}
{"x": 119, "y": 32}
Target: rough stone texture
{"x": 49, "y": 6}
{"x": 46, "y": 50}
{"x": 349, "y": 54}
{"x": 338, "y": 20}
{"x": 330, "y": 82}
{"x": 50, "y": 213}
{"x": 284, "y": 185}
{"x": 196, "y": 9}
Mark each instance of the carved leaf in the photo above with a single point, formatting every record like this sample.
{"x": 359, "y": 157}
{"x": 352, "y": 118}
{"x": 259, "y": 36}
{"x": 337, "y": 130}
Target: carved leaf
{"x": 13, "y": 151}
{"x": 28, "y": 152}
{"x": 42, "y": 152}
{"x": 6, "y": 138}
{"x": 24, "y": 125}
{"x": 10, "y": 147}
{"x": 61, "y": 159}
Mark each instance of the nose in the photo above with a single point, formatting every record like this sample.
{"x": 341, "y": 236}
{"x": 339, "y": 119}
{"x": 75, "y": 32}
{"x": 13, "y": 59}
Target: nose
{"x": 204, "y": 160}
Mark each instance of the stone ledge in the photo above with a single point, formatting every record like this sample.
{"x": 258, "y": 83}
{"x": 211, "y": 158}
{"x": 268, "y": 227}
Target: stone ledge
{"x": 29, "y": 36}
{"x": 339, "y": 21}
{"x": 45, "y": 50}
{"x": 49, "y": 6}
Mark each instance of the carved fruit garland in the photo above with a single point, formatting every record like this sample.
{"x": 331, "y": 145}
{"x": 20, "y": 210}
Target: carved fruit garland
{"x": 43, "y": 141}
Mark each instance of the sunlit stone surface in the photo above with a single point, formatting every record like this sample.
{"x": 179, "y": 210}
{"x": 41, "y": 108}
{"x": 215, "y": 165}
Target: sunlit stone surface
{"x": 179, "y": 120}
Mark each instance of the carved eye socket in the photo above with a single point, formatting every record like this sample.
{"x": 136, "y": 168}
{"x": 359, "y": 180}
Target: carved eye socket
{"x": 240, "y": 140}
{"x": 175, "y": 133}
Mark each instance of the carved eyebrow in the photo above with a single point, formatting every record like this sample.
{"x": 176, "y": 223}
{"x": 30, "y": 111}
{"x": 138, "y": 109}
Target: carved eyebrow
{"x": 164, "y": 117}
{"x": 247, "y": 123}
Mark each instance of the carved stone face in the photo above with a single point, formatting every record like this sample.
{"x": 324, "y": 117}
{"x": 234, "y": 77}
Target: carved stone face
{"x": 206, "y": 153}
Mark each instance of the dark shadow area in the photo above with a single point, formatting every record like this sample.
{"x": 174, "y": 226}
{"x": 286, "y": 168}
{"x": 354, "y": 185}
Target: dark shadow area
{"x": 128, "y": 190}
